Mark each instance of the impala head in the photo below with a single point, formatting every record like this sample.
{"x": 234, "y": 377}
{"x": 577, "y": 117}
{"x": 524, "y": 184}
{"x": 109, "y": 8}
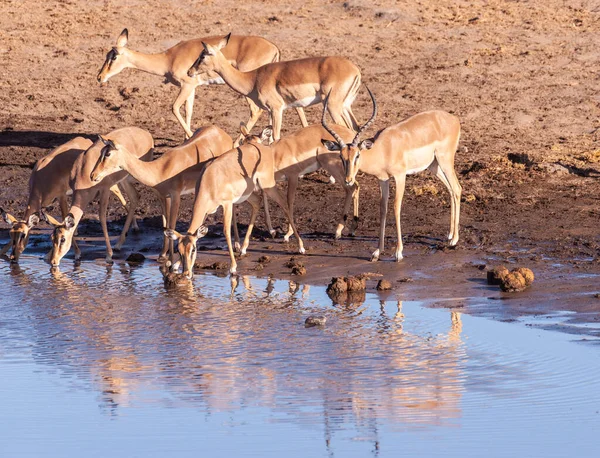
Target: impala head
{"x": 264, "y": 137}
{"x": 350, "y": 154}
{"x": 109, "y": 161}
{"x": 205, "y": 63}
{"x": 116, "y": 59}
{"x": 62, "y": 237}
{"x": 186, "y": 246}
{"x": 19, "y": 233}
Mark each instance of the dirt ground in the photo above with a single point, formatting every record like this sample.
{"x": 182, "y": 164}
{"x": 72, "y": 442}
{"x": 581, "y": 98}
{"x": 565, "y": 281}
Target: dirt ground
{"x": 522, "y": 76}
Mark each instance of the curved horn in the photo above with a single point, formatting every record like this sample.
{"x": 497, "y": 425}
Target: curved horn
{"x": 327, "y": 128}
{"x": 366, "y": 125}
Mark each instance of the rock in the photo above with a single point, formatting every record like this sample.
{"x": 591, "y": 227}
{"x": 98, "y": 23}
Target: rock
{"x": 527, "y": 274}
{"x": 135, "y": 258}
{"x": 293, "y": 262}
{"x": 553, "y": 168}
{"x": 513, "y": 282}
{"x": 405, "y": 280}
{"x": 264, "y": 259}
{"x": 315, "y": 320}
{"x": 298, "y": 270}
{"x": 356, "y": 283}
{"x": 383, "y": 285}
{"x": 496, "y": 275}
{"x": 338, "y": 285}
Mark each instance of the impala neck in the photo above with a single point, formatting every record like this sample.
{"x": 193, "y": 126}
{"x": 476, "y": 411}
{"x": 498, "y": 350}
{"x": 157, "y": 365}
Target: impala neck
{"x": 157, "y": 64}
{"x": 242, "y": 82}
{"x": 148, "y": 173}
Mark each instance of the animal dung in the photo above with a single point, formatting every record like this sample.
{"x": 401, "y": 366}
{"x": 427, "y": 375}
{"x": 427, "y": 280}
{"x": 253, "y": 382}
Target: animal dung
{"x": 495, "y": 276}
{"x": 338, "y": 285}
{"x": 383, "y": 285}
{"x": 221, "y": 265}
{"x": 512, "y": 281}
{"x": 298, "y": 270}
{"x": 264, "y": 259}
{"x": 315, "y": 320}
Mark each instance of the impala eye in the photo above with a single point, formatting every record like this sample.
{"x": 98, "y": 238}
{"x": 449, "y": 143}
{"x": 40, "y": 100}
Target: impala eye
{"x": 62, "y": 240}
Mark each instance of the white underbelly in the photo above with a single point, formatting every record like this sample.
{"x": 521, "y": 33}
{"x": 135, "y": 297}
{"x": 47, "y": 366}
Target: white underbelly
{"x": 422, "y": 158}
{"x": 188, "y": 191}
{"x": 305, "y": 102}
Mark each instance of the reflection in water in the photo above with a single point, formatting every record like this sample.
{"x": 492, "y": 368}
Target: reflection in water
{"x": 220, "y": 349}
{"x": 219, "y": 345}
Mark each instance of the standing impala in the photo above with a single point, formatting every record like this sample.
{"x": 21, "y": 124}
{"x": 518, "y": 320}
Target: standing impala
{"x": 229, "y": 179}
{"x": 425, "y": 141}
{"x": 280, "y": 85}
{"x": 172, "y": 175}
{"x": 140, "y": 143}
{"x": 49, "y": 180}
{"x": 243, "y": 52}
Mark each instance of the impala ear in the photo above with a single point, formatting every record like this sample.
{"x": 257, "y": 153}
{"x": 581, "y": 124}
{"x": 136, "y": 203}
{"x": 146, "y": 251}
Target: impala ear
{"x": 10, "y": 219}
{"x": 331, "y": 146}
{"x": 172, "y": 234}
{"x": 202, "y": 231}
{"x": 224, "y": 41}
{"x": 210, "y": 50}
{"x": 266, "y": 133}
{"x": 50, "y": 219}
{"x": 123, "y": 38}
{"x": 366, "y": 144}
{"x": 33, "y": 220}
{"x": 69, "y": 221}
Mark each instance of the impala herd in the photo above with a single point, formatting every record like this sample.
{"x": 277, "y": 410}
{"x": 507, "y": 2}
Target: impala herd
{"x": 223, "y": 172}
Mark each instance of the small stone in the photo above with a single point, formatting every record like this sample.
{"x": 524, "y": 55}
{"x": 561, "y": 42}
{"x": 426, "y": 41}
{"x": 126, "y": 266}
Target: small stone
{"x": 135, "y": 258}
{"x": 383, "y": 285}
{"x": 405, "y": 280}
{"x": 259, "y": 267}
{"x": 173, "y": 279}
{"x": 315, "y": 320}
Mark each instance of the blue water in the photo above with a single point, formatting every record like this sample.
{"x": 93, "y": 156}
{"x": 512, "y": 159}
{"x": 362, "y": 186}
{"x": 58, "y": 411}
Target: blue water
{"x": 101, "y": 361}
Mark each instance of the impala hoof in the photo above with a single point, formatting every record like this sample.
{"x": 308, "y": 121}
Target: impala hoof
{"x": 273, "y": 233}
{"x": 237, "y": 247}
{"x": 286, "y": 238}
{"x": 454, "y": 242}
{"x": 161, "y": 258}
{"x": 302, "y": 250}
{"x": 331, "y": 179}
{"x": 232, "y": 271}
{"x": 375, "y": 256}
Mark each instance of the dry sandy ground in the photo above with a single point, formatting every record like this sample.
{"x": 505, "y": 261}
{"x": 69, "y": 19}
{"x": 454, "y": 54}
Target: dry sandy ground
{"x": 523, "y": 77}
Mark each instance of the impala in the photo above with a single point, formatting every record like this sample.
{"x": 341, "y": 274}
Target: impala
{"x": 304, "y": 152}
{"x": 425, "y": 141}
{"x": 49, "y": 180}
{"x": 229, "y": 179}
{"x": 280, "y": 85}
{"x": 172, "y": 175}
{"x": 244, "y": 52}
{"x": 140, "y": 143}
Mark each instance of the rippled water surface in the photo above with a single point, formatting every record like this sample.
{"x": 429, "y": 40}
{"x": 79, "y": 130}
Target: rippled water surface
{"x": 102, "y": 361}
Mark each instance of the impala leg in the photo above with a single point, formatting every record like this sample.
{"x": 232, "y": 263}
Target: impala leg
{"x": 255, "y": 113}
{"x": 446, "y": 167}
{"x": 254, "y": 201}
{"x": 302, "y": 116}
{"x": 167, "y": 242}
{"x": 227, "y": 216}
{"x": 291, "y": 197}
{"x": 272, "y": 231}
{"x": 134, "y": 198}
{"x": 172, "y": 222}
{"x": 350, "y": 118}
{"x": 184, "y": 93}
{"x": 189, "y": 108}
{"x": 400, "y": 185}
{"x": 236, "y": 234}
{"x": 384, "y": 186}
{"x": 355, "y": 195}
{"x": 274, "y": 194}
{"x": 276, "y": 118}
{"x": 437, "y": 171}
{"x": 104, "y": 196}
